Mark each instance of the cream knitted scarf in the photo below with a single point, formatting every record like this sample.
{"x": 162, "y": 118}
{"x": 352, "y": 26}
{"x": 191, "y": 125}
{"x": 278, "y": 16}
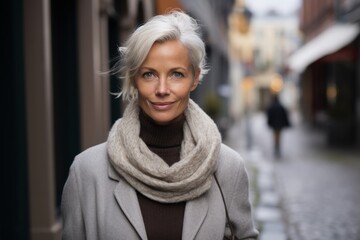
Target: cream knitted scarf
{"x": 149, "y": 174}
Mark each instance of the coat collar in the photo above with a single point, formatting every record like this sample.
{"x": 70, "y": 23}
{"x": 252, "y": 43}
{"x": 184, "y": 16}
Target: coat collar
{"x": 195, "y": 210}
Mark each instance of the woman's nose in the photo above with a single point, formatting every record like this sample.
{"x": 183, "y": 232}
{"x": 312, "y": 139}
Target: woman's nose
{"x": 162, "y": 87}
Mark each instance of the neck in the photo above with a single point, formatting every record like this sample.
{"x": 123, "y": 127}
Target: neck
{"x": 163, "y": 136}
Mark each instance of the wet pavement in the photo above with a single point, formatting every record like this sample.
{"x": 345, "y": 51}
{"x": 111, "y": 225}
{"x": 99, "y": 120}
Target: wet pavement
{"x": 311, "y": 192}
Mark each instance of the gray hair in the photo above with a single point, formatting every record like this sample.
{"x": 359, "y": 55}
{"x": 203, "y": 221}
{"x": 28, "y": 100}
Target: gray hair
{"x": 176, "y": 25}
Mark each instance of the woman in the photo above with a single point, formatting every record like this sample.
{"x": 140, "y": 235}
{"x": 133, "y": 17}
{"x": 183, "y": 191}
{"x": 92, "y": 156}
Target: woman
{"x": 154, "y": 177}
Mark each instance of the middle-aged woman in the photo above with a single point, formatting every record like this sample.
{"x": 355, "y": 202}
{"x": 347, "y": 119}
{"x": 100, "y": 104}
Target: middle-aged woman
{"x": 161, "y": 172}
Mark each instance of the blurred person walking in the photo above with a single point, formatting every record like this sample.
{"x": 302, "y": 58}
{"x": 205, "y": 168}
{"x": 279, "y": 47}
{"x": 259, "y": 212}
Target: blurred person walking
{"x": 164, "y": 172}
{"x": 277, "y": 120}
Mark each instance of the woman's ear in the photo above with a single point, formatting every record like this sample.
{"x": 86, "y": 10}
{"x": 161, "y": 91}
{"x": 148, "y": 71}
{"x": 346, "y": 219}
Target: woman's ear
{"x": 196, "y": 80}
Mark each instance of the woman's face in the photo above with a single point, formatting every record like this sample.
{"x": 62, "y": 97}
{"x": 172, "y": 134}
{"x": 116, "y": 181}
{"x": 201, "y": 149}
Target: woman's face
{"x": 165, "y": 80}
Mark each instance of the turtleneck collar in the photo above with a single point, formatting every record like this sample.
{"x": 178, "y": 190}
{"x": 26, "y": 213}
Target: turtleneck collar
{"x": 163, "y": 136}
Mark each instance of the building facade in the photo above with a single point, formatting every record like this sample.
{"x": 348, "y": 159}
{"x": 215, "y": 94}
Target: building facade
{"x": 328, "y": 64}
{"x": 282, "y": 38}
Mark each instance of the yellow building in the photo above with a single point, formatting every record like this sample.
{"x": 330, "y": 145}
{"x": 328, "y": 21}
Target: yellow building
{"x": 240, "y": 57}
{"x": 275, "y": 38}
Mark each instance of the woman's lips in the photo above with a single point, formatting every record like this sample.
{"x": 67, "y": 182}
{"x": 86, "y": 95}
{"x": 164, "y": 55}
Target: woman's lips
{"x": 161, "y": 106}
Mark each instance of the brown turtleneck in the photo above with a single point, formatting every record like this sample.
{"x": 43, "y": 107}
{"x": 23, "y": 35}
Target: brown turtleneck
{"x": 162, "y": 220}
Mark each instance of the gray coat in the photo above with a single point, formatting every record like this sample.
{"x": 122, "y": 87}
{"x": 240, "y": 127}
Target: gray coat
{"x": 98, "y": 204}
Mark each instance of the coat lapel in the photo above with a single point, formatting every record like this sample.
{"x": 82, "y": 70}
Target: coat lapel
{"x": 195, "y": 213}
{"x": 126, "y": 197}
{"x": 195, "y": 210}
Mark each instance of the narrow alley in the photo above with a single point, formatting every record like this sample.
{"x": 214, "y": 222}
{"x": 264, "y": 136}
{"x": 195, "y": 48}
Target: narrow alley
{"x": 310, "y": 193}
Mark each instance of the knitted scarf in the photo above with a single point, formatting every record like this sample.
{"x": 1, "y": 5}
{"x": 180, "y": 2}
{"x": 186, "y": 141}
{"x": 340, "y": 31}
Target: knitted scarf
{"x": 149, "y": 174}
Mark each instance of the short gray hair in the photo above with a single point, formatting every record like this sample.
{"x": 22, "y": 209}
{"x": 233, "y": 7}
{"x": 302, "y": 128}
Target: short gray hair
{"x": 176, "y": 25}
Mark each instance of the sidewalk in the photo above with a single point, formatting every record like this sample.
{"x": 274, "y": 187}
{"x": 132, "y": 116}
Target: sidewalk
{"x": 319, "y": 187}
{"x": 311, "y": 193}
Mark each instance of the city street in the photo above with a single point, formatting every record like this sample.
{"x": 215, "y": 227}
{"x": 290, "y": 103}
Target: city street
{"x": 311, "y": 193}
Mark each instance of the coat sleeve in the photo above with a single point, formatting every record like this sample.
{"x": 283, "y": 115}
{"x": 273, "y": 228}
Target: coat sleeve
{"x": 240, "y": 207}
{"x": 243, "y": 221}
{"x": 73, "y": 224}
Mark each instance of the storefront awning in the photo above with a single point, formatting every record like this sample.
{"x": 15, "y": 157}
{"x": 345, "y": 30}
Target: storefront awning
{"x": 331, "y": 40}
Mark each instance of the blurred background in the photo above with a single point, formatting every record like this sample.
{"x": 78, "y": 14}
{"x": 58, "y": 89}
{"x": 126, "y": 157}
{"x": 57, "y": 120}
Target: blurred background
{"x": 55, "y": 55}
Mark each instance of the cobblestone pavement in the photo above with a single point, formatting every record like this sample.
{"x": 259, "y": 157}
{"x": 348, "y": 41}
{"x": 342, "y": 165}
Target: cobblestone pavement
{"x": 314, "y": 193}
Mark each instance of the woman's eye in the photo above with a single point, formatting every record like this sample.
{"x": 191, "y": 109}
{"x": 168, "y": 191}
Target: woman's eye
{"x": 177, "y": 75}
{"x": 148, "y": 75}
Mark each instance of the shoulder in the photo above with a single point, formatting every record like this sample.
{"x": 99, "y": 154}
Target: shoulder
{"x": 229, "y": 160}
{"x": 231, "y": 171}
{"x": 91, "y": 161}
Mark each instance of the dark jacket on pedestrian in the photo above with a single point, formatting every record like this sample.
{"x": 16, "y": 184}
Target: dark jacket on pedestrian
{"x": 277, "y": 115}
